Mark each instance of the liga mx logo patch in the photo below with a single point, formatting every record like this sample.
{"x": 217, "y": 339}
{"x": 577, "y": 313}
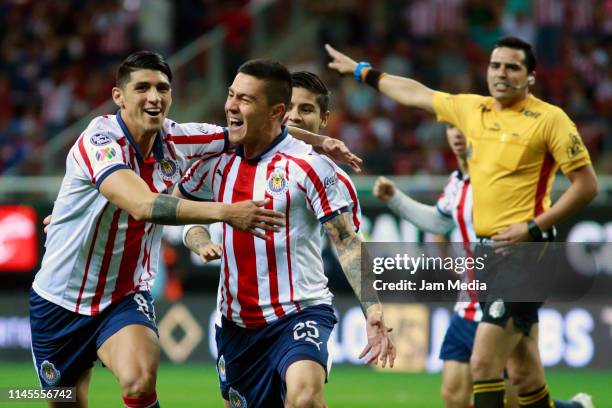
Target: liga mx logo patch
{"x": 277, "y": 184}
{"x": 236, "y": 400}
{"x": 167, "y": 169}
{"x": 106, "y": 153}
{"x": 49, "y": 373}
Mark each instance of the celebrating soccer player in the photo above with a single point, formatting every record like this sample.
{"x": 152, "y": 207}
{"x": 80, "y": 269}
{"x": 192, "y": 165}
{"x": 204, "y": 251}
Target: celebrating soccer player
{"x": 516, "y": 142}
{"x": 273, "y": 296}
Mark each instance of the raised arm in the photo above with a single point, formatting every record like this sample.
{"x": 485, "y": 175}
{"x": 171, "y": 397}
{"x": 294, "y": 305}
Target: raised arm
{"x": 425, "y": 217}
{"x": 348, "y": 246}
{"x": 334, "y": 148}
{"x": 129, "y": 192}
{"x": 405, "y": 91}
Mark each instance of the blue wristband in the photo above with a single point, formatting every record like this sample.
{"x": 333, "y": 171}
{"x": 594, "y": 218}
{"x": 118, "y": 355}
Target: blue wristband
{"x": 359, "y": 68}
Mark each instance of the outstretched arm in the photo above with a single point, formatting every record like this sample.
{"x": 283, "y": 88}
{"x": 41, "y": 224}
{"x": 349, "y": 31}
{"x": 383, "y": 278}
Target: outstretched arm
{"x": 405, "y": 91}
{"x": 425, "y": 217}
{"x": 348, "y": 246}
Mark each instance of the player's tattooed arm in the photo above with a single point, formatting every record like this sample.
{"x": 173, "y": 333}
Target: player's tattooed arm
{"x": 199, "y": 241}
{"x": 165, "y": 209}
{"x": 348, "y": 247}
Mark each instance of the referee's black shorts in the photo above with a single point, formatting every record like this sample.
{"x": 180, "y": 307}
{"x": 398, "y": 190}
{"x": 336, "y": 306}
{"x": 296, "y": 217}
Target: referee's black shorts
{"x": 516, "y": 285}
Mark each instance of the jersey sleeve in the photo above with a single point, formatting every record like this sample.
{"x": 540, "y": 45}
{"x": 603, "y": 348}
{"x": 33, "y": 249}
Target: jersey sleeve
{"x": 99, "y": 154}
{"x": 322, "y": 188}
{"x": 196, "y": 184}
{"x": 565, "y": 143}
{"x": 456, "y": 109}
{"x": 199, "y": 140}
{"x": 448, "y": 196}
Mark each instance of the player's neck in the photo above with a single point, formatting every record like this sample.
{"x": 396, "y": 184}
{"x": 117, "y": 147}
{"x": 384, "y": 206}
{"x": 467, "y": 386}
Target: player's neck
{"x": 144, "y": 140}
{"x": 256, "y": 147}
{"x": 510, "y": 102}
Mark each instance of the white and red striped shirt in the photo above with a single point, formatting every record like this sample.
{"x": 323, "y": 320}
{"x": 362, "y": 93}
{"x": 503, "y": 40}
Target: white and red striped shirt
{"x": 456, "y": 201}
{"x": 260, "y": 280}
{"x": 95, "y": 252}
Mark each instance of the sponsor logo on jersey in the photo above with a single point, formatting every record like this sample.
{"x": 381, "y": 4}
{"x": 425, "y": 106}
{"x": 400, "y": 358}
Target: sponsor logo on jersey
{"x": 497, "y": 309}
{"x": 49, "y": 373}
{"x": 99, "y": 139}
{"x": 575, "y": 146}
{"x": 106, "y": 153}
{"x": 277, "y": 183}
{"x": 236, "y": 400}
{"x": 330, "y": 181}
{"x": 167, "y": 169}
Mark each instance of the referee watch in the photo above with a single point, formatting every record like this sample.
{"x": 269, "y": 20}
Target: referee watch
{"x": 537, "y": 235}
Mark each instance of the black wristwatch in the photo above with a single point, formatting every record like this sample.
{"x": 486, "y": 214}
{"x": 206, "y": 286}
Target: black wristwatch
{"x": 537, "y": 235}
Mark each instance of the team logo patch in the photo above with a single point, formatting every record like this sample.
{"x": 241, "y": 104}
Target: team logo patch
{"x": 99, "y": 139}
{"x": 236, "y": 400}
{"x": 497, "y": 309}
{"x": 167, "y": 169}
{"x": 49, "y": 373}
{"x": 277, "y": 183}
{"x": 106, "y": 153}
{"x": 221, "y": 369}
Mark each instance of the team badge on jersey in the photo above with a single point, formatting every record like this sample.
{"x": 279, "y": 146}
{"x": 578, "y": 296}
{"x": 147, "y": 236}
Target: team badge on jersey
{"x": 236, "y": 400}
{"x": 106, "y": 153}
{"x": 49, "y": 373}
{"x": 221, "y": 369}
{"x": 277, "y": 183}
{"x": 99, "y": 139}
{"x": 167, "y": 169}
{"x": 497, "y": 309}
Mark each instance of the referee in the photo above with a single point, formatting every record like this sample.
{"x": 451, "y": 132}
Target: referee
{"x": 516, "y": 144}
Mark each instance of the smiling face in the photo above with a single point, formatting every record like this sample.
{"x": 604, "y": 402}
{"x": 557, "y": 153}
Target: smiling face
{"x": 305, "y": 112}
{"x": 144, "y": 101}
{"x": 251, "y": 120}
{"x": 457, "y": 142}
{"x": 507, "y": 75}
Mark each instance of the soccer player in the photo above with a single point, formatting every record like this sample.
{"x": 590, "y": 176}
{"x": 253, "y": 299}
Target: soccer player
{"x": 454, "y": 209}
{"x": 90, "y": 298}
{"x": 516, "y": 142}
{"x": 276, "y": 308}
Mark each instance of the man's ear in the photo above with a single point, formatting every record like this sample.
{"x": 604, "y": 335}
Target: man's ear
{"x": 324, "y": 119}
{"x": 278, "y": 111}
{"x": 118, "y": 97}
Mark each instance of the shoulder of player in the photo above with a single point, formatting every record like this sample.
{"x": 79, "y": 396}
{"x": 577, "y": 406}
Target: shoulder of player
{"x": 550, "y": 112}
{"x": 102, "y": 130}
{"x": 467, "y": 98}
{"x": 191, "y": 128}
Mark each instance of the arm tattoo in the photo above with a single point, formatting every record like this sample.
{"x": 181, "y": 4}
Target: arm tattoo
{"x": 165, "y": 210}
{"x": 197, "y": 237}
{"x": 348, "y": 246}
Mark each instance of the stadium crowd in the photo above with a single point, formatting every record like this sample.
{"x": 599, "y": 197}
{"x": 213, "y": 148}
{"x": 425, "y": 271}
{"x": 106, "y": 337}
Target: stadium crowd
{"x": 58, "y": 59}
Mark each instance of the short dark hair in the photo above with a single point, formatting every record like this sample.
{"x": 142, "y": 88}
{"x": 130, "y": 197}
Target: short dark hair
{"x": 277, "y": 76}
{"x": 314, "y": 84}
{"x": 141, "y": 60}
{"x": 518, "y": 44}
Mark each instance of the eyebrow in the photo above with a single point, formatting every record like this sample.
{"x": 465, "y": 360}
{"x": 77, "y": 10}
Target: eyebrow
{"x": 147, "y": 83}
{"x": 242, "y": 95}
{"x": 508, "y": 64}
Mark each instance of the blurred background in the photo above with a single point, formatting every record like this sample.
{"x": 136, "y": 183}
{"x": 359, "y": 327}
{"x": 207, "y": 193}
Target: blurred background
{"x": 57, "y": 65}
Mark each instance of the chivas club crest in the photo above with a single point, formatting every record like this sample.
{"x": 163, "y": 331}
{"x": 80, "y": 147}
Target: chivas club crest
{"x": 236, "y": 400}
{"x": 221, "y": 369}
{"x": 167, "y": 169}
{"x": 277, "y": 183}
{"x": 49, "y": 373}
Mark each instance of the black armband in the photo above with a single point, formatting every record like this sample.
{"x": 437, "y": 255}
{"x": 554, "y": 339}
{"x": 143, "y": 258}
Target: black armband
{"x": 373, "y": 77}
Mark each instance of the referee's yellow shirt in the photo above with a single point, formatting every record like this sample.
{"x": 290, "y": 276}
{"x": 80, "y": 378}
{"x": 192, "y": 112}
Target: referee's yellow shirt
{"x": 513, "y": 154}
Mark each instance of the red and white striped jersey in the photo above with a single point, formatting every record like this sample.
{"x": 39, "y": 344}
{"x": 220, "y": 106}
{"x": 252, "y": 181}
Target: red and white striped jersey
{"x": 456, "y": 201}
{"x": 260, "y": 280}
{"x": 95, "y": 252}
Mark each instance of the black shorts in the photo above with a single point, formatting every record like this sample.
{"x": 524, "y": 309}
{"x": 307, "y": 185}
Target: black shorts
{"x": 523, "y": 314}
